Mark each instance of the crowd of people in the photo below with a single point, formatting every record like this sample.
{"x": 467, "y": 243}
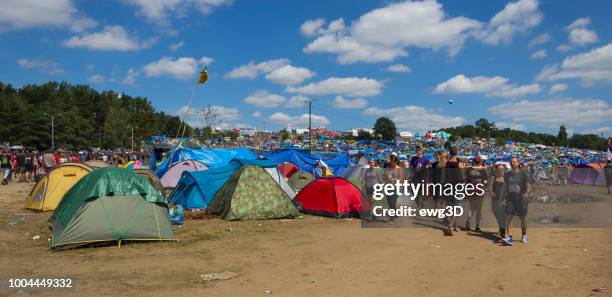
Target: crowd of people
{"x": 24, "y": 165}
{"x": 508, "y": 188}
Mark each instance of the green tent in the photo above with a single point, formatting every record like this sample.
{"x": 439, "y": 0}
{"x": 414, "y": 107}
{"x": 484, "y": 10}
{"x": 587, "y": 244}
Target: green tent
{"x": 300, "y": 179}
{"x": 110, "y": 205}
{"x": 252, "y": 194}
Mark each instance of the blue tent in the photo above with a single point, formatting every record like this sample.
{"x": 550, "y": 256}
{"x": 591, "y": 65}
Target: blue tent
{"x": 308, "y": 162}
{"x": 196, "y": 189}
{"x": 213, "y": 158}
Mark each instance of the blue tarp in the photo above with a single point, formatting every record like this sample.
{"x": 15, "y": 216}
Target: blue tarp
{"x": 196, "y": 189}
{"x": 213, "y": 158}
{"x": 308, "y": 162}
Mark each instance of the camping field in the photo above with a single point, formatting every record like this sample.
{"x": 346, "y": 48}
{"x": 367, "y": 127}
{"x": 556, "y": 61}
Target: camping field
{"x": 312, "y": 256}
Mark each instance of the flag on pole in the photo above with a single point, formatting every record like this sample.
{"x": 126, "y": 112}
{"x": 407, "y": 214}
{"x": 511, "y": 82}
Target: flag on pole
{"x": 203, "y": 75}
{"x": 610, "y": 149}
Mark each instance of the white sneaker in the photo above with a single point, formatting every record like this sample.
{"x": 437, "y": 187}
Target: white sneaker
{"x": 524, "y": 239}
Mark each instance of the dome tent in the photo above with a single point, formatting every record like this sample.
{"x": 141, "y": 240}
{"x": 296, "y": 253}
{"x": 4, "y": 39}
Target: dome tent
{"x": 49, "y": 190}
{"x": 110, "y": 205}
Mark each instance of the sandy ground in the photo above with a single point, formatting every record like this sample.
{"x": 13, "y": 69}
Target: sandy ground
{"x": 312, "y": 256}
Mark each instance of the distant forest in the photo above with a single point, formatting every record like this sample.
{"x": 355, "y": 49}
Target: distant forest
{"x": 83, "y": 117}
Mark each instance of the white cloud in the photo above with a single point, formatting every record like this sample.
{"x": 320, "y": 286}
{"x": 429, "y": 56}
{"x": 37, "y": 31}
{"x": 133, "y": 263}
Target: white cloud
{"x": 416, "y": 118}
{"x": 130, "y": 77}
{"x": 256, "y": 114}
{"x": 253, "y": 70}
{"x": 176, "y": 46}
{"x": 598, "y": 131}
{"x": 180, "y": 68}
{"x": 590, "y": 67}
{"x": 384, "y": 34}
{"x": 513, "y": 126}
{"x": 557, "y": 88}
{"x": 496, "y": 86}
{"x": 289, "y": 75}
{"x": 262, "y": 98}
{"x": 195, "y": 116}
{"x": 302, "y": 120}
{"x": 112, "y": 38}
{"x": 540, "y": 39}
{"x": 24, "y": 14}
{"x": 310, "y": 27}
{"x": 537, "y": 55}
{"x": 579, "y": 35}
{"x": 45, "y": 66}
{"x": 96, "y": 79}
{"x": 555, "y": 112}
{"x": 516, "y": 17}
{"x": 296, "y": 101}
{"x": 278, "y": 71}
{"x": 341, "y": 102}
{"x": 398, "y": 68}
{"x": 160, "y": 10}
{"x": 348, "y": 86}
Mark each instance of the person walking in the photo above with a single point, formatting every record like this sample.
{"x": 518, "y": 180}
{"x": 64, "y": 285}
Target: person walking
{"x": 394, "y": 172}
{"x": 496, "y": 189}
{"x": 372, "y": 176}
{"x": 453, "y": 175}
{"x": 418, "y": 166}
{"x": 517, "y": 191}
{"x": 476, "y": 174}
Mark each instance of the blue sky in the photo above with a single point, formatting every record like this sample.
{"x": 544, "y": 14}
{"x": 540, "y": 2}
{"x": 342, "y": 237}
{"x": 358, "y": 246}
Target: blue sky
{"x": 531, "y": 65}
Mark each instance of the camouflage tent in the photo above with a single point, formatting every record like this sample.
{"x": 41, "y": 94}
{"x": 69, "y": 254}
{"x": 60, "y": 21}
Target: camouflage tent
{"x": 300, "y": 179}
{"x": 252, "y": 194}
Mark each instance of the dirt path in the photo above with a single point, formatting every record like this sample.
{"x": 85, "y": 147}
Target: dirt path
{"x": 309, "y": 257}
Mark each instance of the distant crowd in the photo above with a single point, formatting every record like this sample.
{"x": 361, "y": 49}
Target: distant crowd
{"x": 24, "y": 165}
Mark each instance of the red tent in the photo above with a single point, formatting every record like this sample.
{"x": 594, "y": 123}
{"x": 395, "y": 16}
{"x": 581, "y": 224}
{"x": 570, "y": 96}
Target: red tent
{"x": 332, "y": 197}
{"x": 287, "y": 169}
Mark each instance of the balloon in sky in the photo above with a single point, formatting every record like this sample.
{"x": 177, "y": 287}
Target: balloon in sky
{"x": 451, "y": 101}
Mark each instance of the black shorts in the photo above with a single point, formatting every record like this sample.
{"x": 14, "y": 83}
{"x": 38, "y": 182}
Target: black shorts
{"x": 516, "y": 205}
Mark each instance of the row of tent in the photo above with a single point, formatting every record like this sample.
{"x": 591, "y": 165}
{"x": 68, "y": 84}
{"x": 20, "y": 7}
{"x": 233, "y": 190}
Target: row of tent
{"x": 102, "y": 204}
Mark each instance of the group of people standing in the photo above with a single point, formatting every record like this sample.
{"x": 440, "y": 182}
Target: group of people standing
{"x": 508, "y": 188}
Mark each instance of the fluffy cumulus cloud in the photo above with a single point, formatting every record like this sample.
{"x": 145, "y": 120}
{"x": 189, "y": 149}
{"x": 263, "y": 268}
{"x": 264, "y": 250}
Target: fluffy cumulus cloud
{"x": 296, "y": 101}
{"x": 537, "y": 55}
{"x": 539, "y": 40}
{"x": 398, "y": 68}
{"x": 495, "y": 86}
{"x": 555, "y": 112}
{"x": 161, "y": 10}
{"x": 23, "y": 14}
{"x": 279, "y": 71}
{"x": 112, "y": 38}
{"x": 284, "y": 119}
{"x": 557, "y": 88}
{"x": 256, "y": 114}
{"x": 416, "y": 118}
{"x": 347, "y": 86}
{"x": 180, "y": 68}
{"x": 516, "y": 17}
{"x": 262, "y": 98}
{"x": 195, "y": 116}
{"x": 590, "y": 67}
{"x": 341, "y": 102}
{"x": 607, "y": 130}
{"x": 579, "y": 35}
{"x": 42, "y": 65}
{"x": 386, "y": 33}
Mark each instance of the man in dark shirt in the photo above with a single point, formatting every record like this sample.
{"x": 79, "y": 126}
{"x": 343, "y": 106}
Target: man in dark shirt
{"x": 20, "y": 165}
{"x": 418, "y": 164}
{"x": 517, "y": 190}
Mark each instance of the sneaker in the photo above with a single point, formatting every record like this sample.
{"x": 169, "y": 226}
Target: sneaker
{"x": 477, "y": 229}
{"x": 524, "y": 239}
{"x": 507, "y": 240}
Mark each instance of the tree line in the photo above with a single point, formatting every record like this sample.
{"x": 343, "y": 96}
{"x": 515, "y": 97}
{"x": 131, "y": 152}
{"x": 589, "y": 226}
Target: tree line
{"x": 83, "y": 118}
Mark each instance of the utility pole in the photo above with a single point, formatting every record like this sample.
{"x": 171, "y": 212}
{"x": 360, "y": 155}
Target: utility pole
{"x": 310, "y": 124}
{"x": 52, "y": 135}
{"x": 132, "y": 138}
